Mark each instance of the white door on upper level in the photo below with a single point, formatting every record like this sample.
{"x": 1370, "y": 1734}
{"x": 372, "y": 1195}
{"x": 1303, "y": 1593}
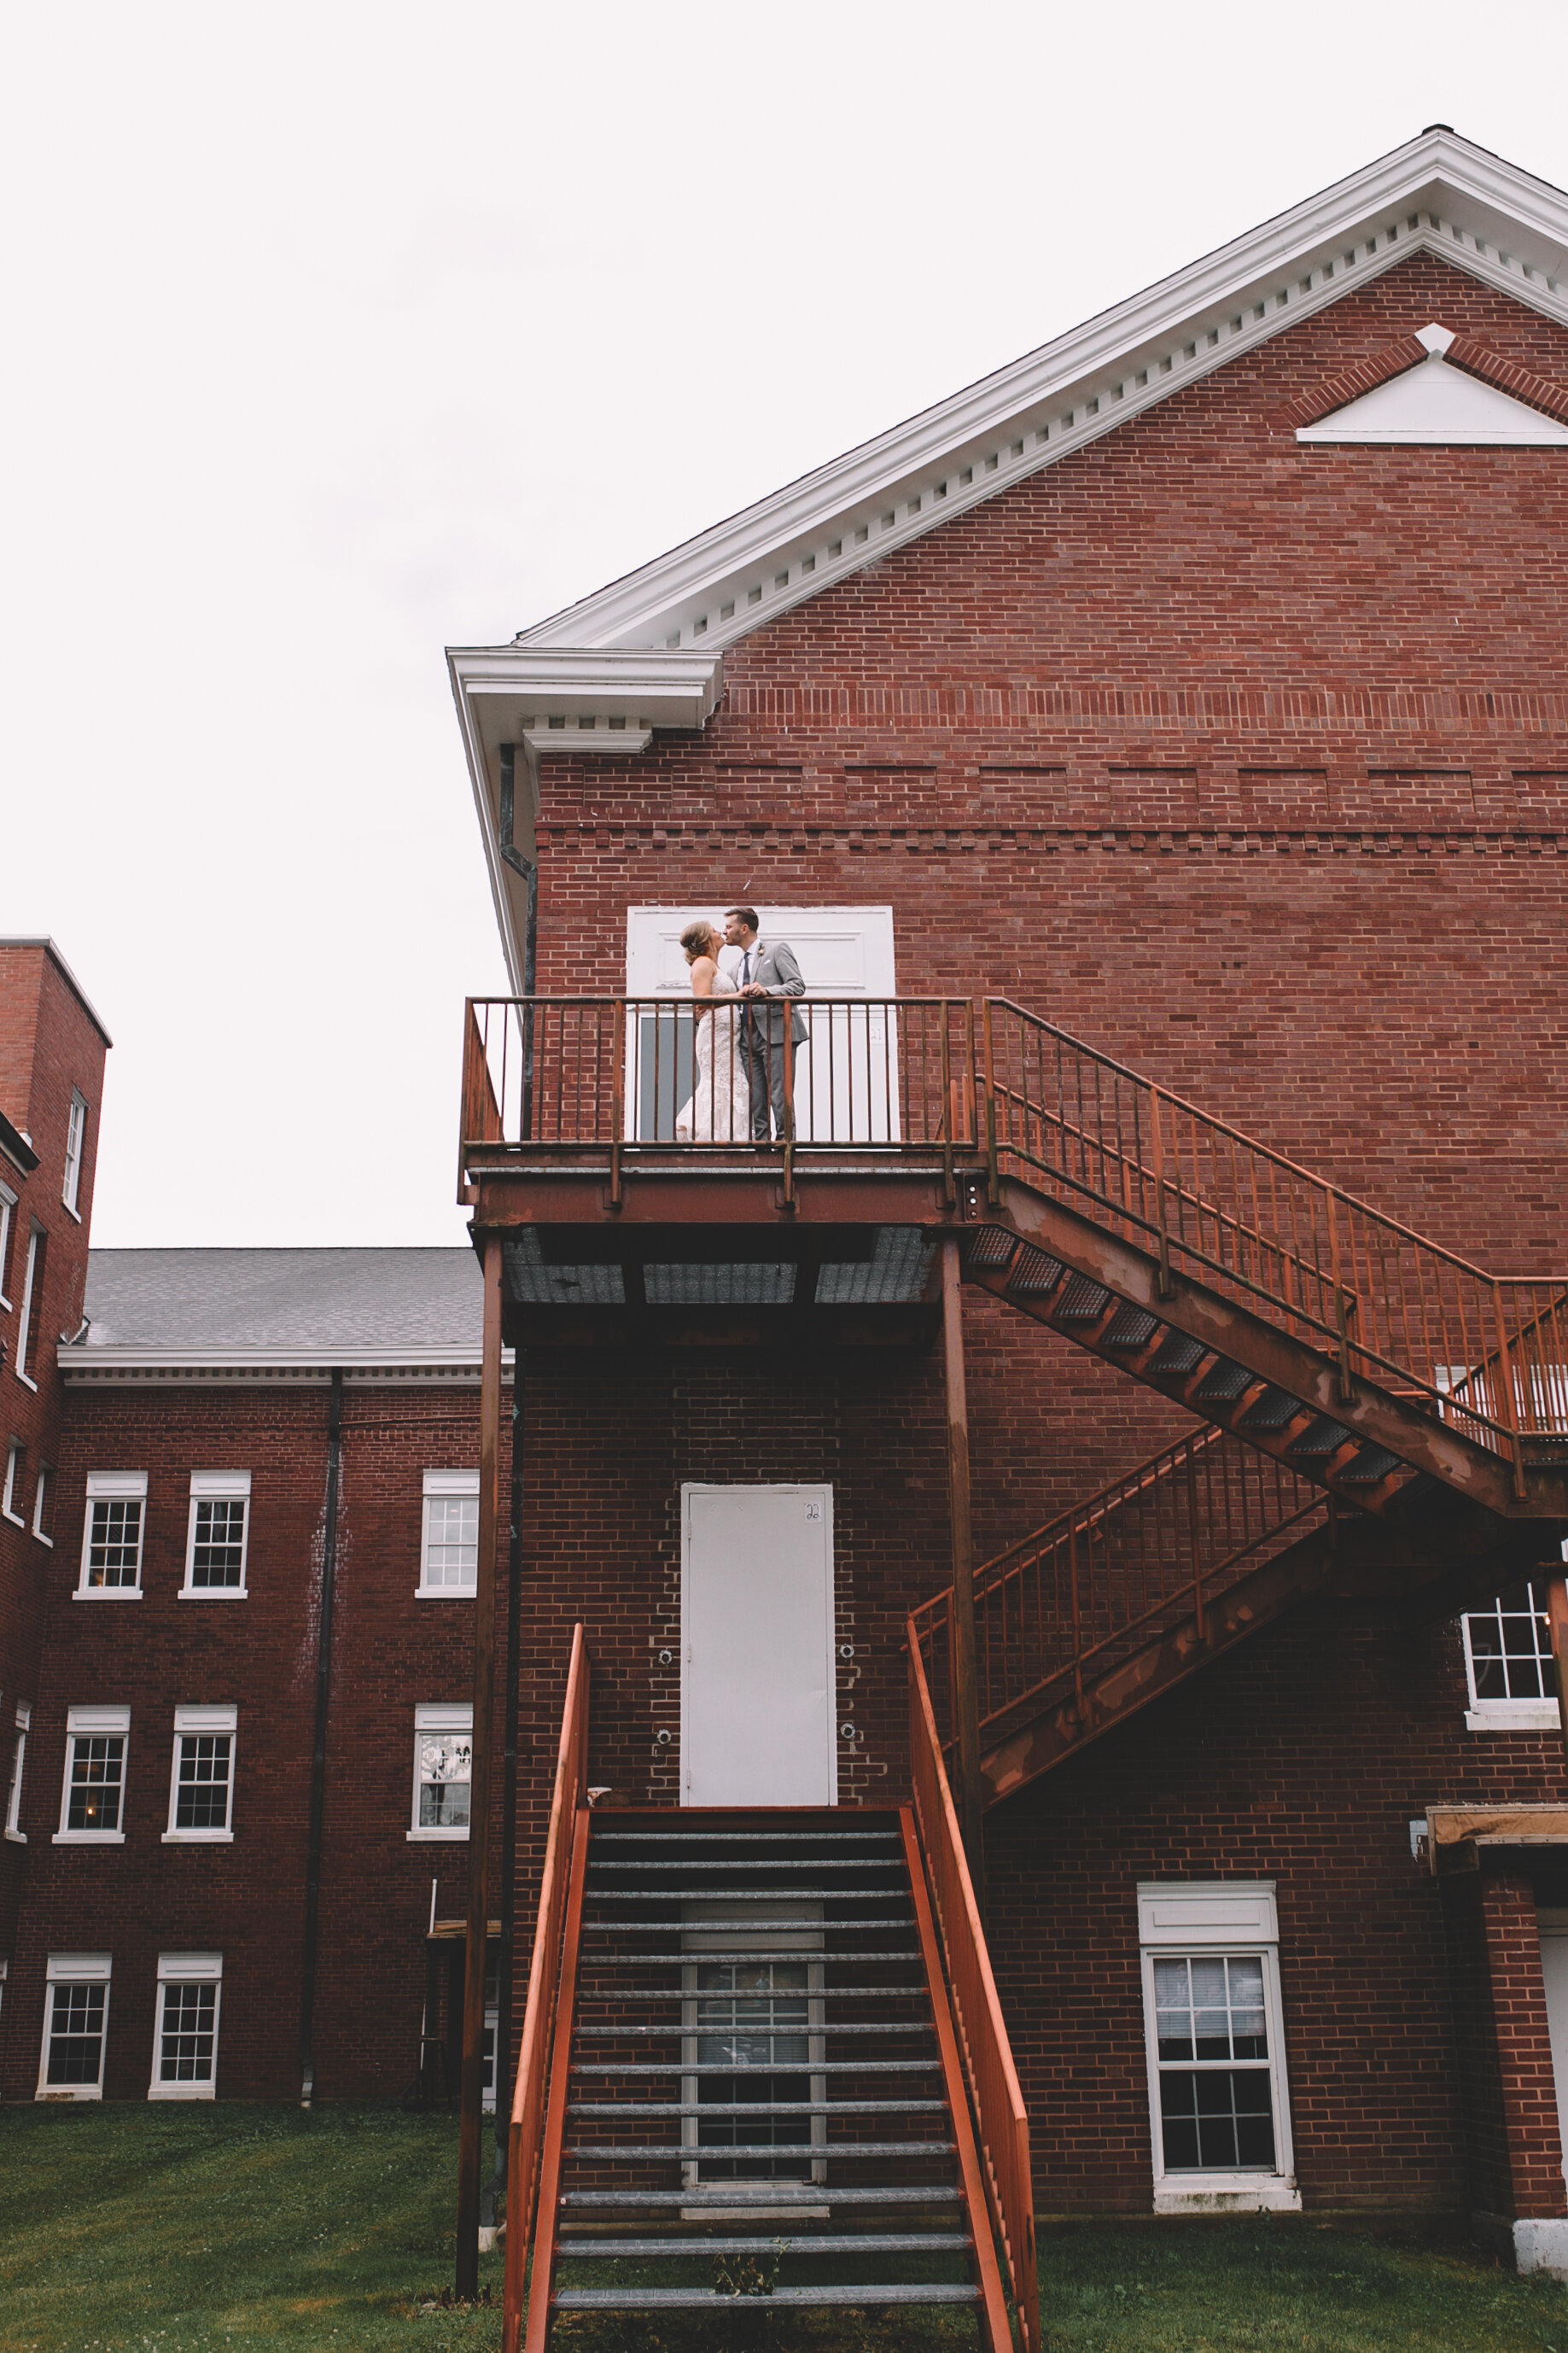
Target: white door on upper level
{"x": 757, "y": 1718}
{"x": 845, "y": 1080}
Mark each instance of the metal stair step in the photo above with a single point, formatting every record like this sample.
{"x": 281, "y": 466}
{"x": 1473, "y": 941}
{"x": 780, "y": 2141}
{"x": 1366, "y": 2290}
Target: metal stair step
{"x": 992, "y": 1246}
{"x": 744, "y": 1895}
{"x": 770, "y": 2195}
{"x": 1033, "y": 1275}
{"x": 842, "y": 2242}
{"x": 1225, "y": 1380}
{"x": 1179, "y": 1354}
{"x": 629, "y": 2110}
{"x": 729, "y": 1928}
{"x": 1130, "y": 1327}
{"x": 814, "y": 1993}
{"x": 1083, "y": 1301}
{"x": 1324, "y": 1437}
{"x": 821, "y": 2152}
{"x": 668, "y": 2067}
{"x": 762, "y": 1953}
{"x": 745, "y": 1838}
{"x": 674, "y": 2031}
{"x": 756, "y": 1864}
{"x": 1272, "y": 1410}
{"x": 1370, "y": 1467}
{"x": 700, "y": 2299}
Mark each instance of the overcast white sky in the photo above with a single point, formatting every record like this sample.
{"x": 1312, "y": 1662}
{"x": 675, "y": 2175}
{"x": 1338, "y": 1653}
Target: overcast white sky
{"x": 339, "y": 334}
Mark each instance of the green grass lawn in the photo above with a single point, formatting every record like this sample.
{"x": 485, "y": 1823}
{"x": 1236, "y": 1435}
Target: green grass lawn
{"x": 169, "y": 2229}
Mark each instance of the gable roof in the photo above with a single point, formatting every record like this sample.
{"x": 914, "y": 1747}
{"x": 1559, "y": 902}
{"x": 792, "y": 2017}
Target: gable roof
{"x": 546, "y": 690}
{"x": 279, "y": 1311}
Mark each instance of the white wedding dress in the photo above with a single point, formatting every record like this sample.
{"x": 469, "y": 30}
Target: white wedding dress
{"x": 720, "y": 1111}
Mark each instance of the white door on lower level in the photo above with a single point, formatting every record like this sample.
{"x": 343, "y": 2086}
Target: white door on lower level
{"x": 1554, "y": 1969}
{"x": 757, "y": 1726}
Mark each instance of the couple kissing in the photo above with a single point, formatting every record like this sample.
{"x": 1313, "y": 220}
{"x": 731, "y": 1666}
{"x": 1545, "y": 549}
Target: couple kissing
{"x": 740, "y": 1073}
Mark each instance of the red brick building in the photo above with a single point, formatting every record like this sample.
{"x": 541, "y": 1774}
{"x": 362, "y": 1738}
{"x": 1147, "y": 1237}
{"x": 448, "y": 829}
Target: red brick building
{"x": 1197, "y": 686}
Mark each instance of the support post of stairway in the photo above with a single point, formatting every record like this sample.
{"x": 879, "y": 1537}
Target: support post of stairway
{"x": 965, "y": 1684}
{"x": 470, "y": 2142}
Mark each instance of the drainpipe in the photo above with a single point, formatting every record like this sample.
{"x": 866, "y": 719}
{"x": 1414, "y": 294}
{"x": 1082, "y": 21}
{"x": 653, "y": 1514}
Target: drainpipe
{"x": 318, "y": 1750}
{"x": 507, "y": 1807}
{"x": 529, "y": 869}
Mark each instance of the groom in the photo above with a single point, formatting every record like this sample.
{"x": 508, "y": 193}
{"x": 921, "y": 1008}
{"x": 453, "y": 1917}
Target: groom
{"x": 767, "y": 969}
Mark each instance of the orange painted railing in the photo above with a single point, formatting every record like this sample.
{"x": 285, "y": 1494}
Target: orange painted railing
{"x": 544, "y": 1990}
{"x": 984, "y": 1083}
{"x": 1001, "y": 2122}
{"x": 1169, "y": 1536}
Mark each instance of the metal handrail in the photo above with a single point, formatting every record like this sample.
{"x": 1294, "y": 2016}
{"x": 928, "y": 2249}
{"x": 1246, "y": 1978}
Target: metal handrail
{"x": 1001, "y": 2120}
{"x": 528, "y": 2105}
{"x": 1168, "y": 1536}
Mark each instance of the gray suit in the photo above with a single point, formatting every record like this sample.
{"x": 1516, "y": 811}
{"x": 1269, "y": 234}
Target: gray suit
{"x": 772, "y": 967}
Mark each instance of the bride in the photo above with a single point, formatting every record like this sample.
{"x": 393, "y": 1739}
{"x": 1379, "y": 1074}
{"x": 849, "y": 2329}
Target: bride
{"x": 720, "y": 1111}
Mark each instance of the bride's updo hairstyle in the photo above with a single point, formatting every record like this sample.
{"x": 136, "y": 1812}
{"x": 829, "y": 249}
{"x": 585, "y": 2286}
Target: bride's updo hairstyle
{"x": 700, "y": 939}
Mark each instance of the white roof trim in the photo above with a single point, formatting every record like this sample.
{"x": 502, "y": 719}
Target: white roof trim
{"x": 1437, "y": 194}
{"x": 83, "y": 1362}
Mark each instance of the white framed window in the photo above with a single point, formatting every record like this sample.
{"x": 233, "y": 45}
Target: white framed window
{"x": 13, "y": 1785}
{"x": 7, "y": 1226}
{"x": 184, "y": 2033}
{"x": 215, "y": 1540}
{"x": 76, "y": 1136}
{"x": 112, "y": 1536}
{"x": 1509, "y": 1672}
{"x": 443, "y": 1770}
{"x": 201, "y": 1776}
{"x": 44, "y": 1505}
{"x": 32, "y": 1307}
{"x": 449, "y": 1537}
{"x": 11, "y": 1495}
{"x": 75, "y": 2027}
{"x": 92, "y": 1796}
{"x": 1218, "y": 2106}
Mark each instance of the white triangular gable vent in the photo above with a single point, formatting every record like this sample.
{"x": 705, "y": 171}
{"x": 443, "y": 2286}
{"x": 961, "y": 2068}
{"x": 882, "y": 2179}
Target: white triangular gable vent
{"x": 1436, "y": 404}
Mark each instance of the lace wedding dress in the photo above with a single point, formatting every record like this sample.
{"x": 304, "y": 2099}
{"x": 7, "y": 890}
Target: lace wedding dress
{"x": 720, "y": 1111}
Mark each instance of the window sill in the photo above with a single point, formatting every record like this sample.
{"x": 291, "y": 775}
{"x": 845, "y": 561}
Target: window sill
{"x": 107, "y": 1593}
{"x": 15, "y": 1518}
{"x": 1226, "y": 2193}
{"x": 69, "y": 1210}
{"x": 1514, "y": 1716}
{"x": 89, "y": 1838}
{"x": 181, "y": 2090}
{"x": 427, "y": 1837}
{"x": 29, "y": 1383}
{"x": 69, "y": 2092}
{"x": 444, "y": 1592}
{"x": 39, "y": 1537}
{"x": 213, "y": 1593}
{"x": 17, "y": 1838}
{"x": 198, "y": 1838}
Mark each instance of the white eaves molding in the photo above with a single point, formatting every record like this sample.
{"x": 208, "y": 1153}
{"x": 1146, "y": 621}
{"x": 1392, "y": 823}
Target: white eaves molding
{"x": 1439, "y": 194}
{"x": 612, "y": 688}
{"x": 108, "y": 1362}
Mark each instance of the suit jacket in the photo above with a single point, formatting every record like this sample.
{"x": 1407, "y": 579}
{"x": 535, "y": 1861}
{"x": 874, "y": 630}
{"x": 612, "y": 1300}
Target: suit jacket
{"x": 774, "y": 968}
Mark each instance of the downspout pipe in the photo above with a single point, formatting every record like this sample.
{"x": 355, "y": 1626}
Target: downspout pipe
{"x": 529, "y": 869}
{"x": 508, "y": 1810}
{"x": 319, "y": 1749}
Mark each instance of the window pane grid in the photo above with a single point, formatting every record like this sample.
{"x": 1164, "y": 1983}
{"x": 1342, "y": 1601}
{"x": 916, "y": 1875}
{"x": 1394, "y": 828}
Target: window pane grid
{"x": 218, "y": 1550}
{"x": 114, "y": 1547}
{"x": 189, "y": 2033}
{"x": 1216, "y": 2116}
{"x": 452, "y": 1540}
{"x": 98, "y": 1778}
{"x": 200, "y": 1798}
{"x": 1509, "y": 1649}
{"x": 76, "y": 2034}
{"x": 445, "y": 1766}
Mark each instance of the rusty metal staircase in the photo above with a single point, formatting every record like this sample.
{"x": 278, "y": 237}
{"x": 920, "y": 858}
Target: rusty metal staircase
{"x": 762, "y": 2069}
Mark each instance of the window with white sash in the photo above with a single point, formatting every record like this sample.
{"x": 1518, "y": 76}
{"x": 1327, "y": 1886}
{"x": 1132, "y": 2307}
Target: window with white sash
{"x": 75, "y": 2027}
{"x": 450, "y": 1536}
{"x": 112, "y": 1536}
{"x": 1219, "y": 2114}
{"x": 1509, "y": 1672}
{"x": 184, "y": 2033}
{"x": 76, "y": 1136}
{"x": 215, "y": 1537}
{"x": 92, "y": 1797}
{"x": 7, "y": 1227}
{"x": 443, "y": 1769}
{"x": 13, "y": 1785}
{"x": 201, "y": 1777}
{"x": 32, "y": 1308}
{"x": 10, "y": 1494}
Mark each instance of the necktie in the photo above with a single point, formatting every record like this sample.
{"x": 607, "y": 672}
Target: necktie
{"x": 746, "y": 969}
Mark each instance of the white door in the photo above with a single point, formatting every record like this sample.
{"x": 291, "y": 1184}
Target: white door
{"x": 1554, "y": 1969}
{"x": 852, "y": 1096}
{"x": 757, "y": 1719}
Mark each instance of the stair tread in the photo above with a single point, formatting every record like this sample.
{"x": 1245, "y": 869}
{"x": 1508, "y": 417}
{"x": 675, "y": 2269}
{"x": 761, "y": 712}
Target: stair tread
{"x": 732, "y": 1928}
{"x": 675, "y": 2030}
{"x": 1082, "y": 1301}
{"x": 1130, "y": 1327}
{"x": 771, "y": 2194}
{"x": 755, "y": 1864}
{"x": 807, "y": 2067}
{"x": 698, "y": 1895}
{"x": 634, "y": 2108}
{"x": 1324, "y": 1438}
{"x": 814, "y": 2242}
{"x": 762, "y": 1953}
{"x": 1180, "y": 1354}
{"x": 1366, "y": 1468}
{"x": 1224, "y": 1380}
{"x": 1272, "y": 1410}
{"x": 697, "y": 2299}
{"x": 675, "y": 2153}
{"x": 1034, "y": 1273}
{"x": 814, "y": 1993}
{"x": 735, "y": 1838}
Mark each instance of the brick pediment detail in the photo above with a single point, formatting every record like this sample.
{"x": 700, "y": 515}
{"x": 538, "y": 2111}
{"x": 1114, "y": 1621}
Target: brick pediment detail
{"x": 1477, "y": 359}
{"x": 1507, "y": 376}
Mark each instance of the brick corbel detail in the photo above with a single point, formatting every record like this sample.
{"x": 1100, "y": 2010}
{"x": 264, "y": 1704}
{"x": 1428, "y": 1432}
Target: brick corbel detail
{"x": 1338, "y": 391}
{"x": 1507, "y": 376}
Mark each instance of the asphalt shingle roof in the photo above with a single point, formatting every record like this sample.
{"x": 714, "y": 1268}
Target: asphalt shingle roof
{"x": 391, "y": 1302}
